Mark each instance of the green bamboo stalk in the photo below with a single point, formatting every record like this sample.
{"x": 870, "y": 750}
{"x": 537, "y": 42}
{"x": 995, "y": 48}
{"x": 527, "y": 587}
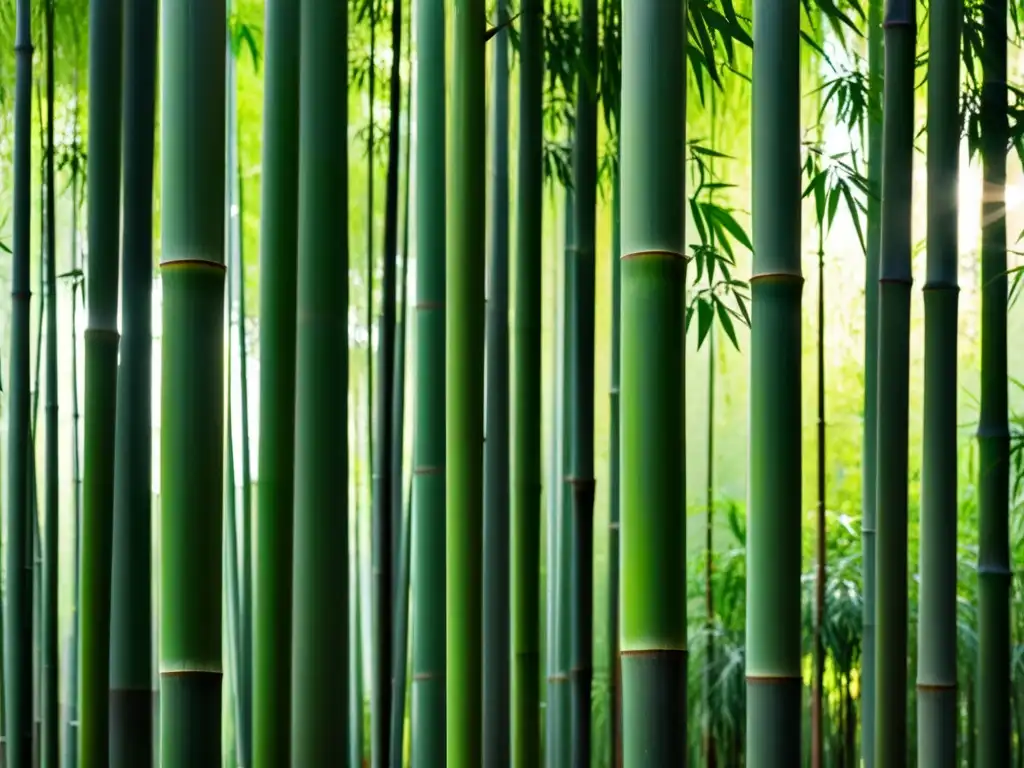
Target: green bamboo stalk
{"x": 387, "y": 512}
{"x": 554, "y": 499}
{"x": 773, "y": 653}
{"x": 820, "y": 532}
{"x": 232, "y": 609}
{"x": 525, "y": 481}
{"x": 192, "y": 399}
{"x": 132, "y": 698}
{"x": 496, "y": 627}
{"x": 994, "y": 570}
{"x": 355, "y": 739}
{"x": 869, "y": 456}
{"x": 401, "y": 645}
{"x": 428, "y": 517}
{"x": 614, "y": 488}
{"x": 400, "y": 648}
{"x": 71, "y": 678}
{"x": 937, "y": 604}
{"x": 652, "y": 460}
{"x": 893, "y": 385}
{"x": 101, "y": 350}
{"x": 18, "y": 624}
{"x": 236, "y": 258}
{"x": 320, "y": 629}
{"x": 581, "y": 466}
{"x": 49, "y": 747}
{"x": 279, "y": 245}
{"x": 561, "y": 698}
{"x": 869, "y": 463}
{"x": 464, "y": 382}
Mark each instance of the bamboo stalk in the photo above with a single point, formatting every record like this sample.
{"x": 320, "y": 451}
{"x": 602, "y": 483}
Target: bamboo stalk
{"x": 893, "y": 385}
{"x": 773, "y": 651}
{"x": 132, "y": 699}
{"x": 192, "y": 391}
{"x": 937, "y": 603}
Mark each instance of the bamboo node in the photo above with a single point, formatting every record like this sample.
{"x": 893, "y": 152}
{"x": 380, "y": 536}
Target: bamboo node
{"x": 793, "y": 278}
{"x": 663, "y": 253}
{"x": 428, "y": 470}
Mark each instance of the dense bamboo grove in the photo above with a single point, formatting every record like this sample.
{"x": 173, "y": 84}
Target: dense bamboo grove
{"x": 446, "y": 373}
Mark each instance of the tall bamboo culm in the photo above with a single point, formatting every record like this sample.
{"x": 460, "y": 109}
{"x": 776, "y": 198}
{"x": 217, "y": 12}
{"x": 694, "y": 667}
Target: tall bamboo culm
{"x": 994, "y": 571}
{"x": 428, "y": 507}
{"x": 193, "y": 275}
{"x": 101, "y": 349}
{"x": 320, "y": 629}
{"x": 464, "y": 384}
{"x": 893, "y": 385}
{"x": 496, "y": 605}
{"x": 581, "y": 465}
{"x": 869, "y": 461}
{"x": 653, "y": 442}
{"x": 18, "y": 587}
{"x": 773, "y": 657}
{"x": 132, "y": 697}
{"x": 49, "y": 746}
{"x": 278, "y": 254}
{"x": 526, "y": 398}
{"x": 937, "y": 706}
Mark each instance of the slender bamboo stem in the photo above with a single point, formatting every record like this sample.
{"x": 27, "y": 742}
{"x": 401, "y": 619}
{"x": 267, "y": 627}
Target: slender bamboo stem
{"x": 525, "y": 468}
{"x": 994, "y": 568}
{"x": 773, "y": 652}
{"x": 653, "y": 442}
{"x": 192, "y": 391}
{"x": 937, "y": 605}
{"x": 428, "y": 507}
{"x": 464, "y": 382}
{"x": 132, "y": 698}
{"x": 581, "y": 467}
{"x": 869, "y": 463}
{"x": 320, "y": 629}
{"x": 496, "y": 641}
{"x": 18, "y": 587}
{"x": 49, "y": 747}
{"x": 101, "y": 350}
{"x": 272, "y": 657}
{"x": 893, "y": 385}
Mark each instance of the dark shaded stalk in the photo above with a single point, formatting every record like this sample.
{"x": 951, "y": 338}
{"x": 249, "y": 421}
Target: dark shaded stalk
{"x": 652, "y": 438}
{"x": 709, "y": 551}
{"x": 464, "y": 383}
{"x": 994, "y": 569}
{"x": 525, "y": 467}
{"x": 132, "y": 698}
{"x": 236, "y": 273}
{"x": 821, "y": 543}
{"x": 386, "y": 514}
{"x": 869, "y": 463}
{"x": 400, "y": 647}
{"x": 192, "y": 401}
{"x": 561, "y": 698}
{"x": 49, "y": 747}
{"x": 272, "y": 637}
{"x": 893, "y": 385}
{"x": 581, "y": 334}
{"x": 101, "y": 350}
{"x": 773, "y": 628}
{"x": 937, "y": 709}
{"x": 320, "y": 629}
{"x": 18, "y": 586}
{"x": 428, "y": 506}
{"x": 70, "y": 755}
{"x": 496, "y": 640}
{"x": 614, "y": 489}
